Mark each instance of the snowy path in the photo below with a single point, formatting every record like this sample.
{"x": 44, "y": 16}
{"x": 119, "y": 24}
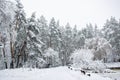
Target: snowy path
{"x": 59, "y": 73}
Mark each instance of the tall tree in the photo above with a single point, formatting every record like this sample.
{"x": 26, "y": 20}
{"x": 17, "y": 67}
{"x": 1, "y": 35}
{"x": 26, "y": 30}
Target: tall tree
{"x": 80, "y": 40}
{"x": 19, "y": 54}
{"x": 6, "y": 18}
{"x": 44, "y": 32}
{"x": 88, "y": 31}
{"x": 67, "y": 44}
{"x": 34, "y": 44}
{"x": 112, "y": 34}
{"x": 53, "y": 34}
{"x": 101, "y": 48}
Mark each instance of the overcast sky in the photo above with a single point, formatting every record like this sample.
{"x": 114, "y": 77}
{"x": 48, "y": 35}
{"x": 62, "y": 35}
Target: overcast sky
{"x": 79, "y": 12}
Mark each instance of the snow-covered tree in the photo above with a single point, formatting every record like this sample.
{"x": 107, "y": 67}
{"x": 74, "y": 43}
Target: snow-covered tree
{"x": 112, "y": 34}
{"x": 61, "y": 45}
{"x": 79, "y": 40}
{"x": 97, "y": 32}
{"x": 53, "y": 34}
{"x": 6, "y": 18}
{"x": 6, "y": 13}
{"x": 52, "y": 57}
{"x": 91, "y": 31}
{"x": 44, "y": 30}
{"x": 66, "y": 43}
{"x": 74, "y": 31}
{"x": 102, "y": 48}
{"x": 34, "y": 44}
{"x": 74, "y": 36}
{"x": 19, "y": 24}
{"x": 88, "y": 31}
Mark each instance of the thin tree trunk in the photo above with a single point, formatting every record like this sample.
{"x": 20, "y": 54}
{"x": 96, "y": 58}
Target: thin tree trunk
{"x": 4, "y": 57}
{"x": 12, "y": 55}
{"x": 11, "y": 49}
{"x": 50, "y": 43}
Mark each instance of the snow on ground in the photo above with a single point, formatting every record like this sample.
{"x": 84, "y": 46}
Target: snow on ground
{"x": 59, "y": 73}
{"x": 115, "y": 75}
{"x": 114, "y": 65}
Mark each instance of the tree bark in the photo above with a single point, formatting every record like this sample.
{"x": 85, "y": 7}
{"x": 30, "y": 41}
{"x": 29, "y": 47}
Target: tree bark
{"x": 4, "y": 57}
{"x": 21, "y": 55}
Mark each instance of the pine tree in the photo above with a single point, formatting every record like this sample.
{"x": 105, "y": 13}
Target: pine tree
{"x": 34, "y": 44}
{"x": 53, "y": 34}
{"x": 74, "y": 37}
{"x": 44, "y": 32}
{"x": 80, "y": 40}
{"x": 88, "y": 31}
{"x": 112, "y": 34}
{"x": 67, "y": 44}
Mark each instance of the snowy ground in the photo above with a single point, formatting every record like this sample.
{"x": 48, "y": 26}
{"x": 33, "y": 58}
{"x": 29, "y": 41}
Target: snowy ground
{"x": 114, "y": 76}
{"x": 113, "y": 65}
{"x": 59, "y": 73}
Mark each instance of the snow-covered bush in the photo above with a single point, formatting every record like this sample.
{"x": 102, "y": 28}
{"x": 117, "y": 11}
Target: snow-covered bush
{"x": 97, "y": 66}
{"x": 82, "y": 58}
{"x": 52, "y": 57}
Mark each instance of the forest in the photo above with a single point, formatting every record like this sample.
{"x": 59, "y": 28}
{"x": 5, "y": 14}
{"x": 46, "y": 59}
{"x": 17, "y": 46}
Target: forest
{"x": 38, "y": 43}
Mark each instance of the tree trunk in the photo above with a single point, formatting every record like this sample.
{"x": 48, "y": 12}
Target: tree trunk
{"x": 4, "y": 57}
{"x": 12, "y": 55}
{"x": 50, "y": 42}
{"x": 21, "y": 55}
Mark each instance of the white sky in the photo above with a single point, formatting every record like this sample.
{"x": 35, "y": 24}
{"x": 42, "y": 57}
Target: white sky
{"x": 79, "y": 12}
